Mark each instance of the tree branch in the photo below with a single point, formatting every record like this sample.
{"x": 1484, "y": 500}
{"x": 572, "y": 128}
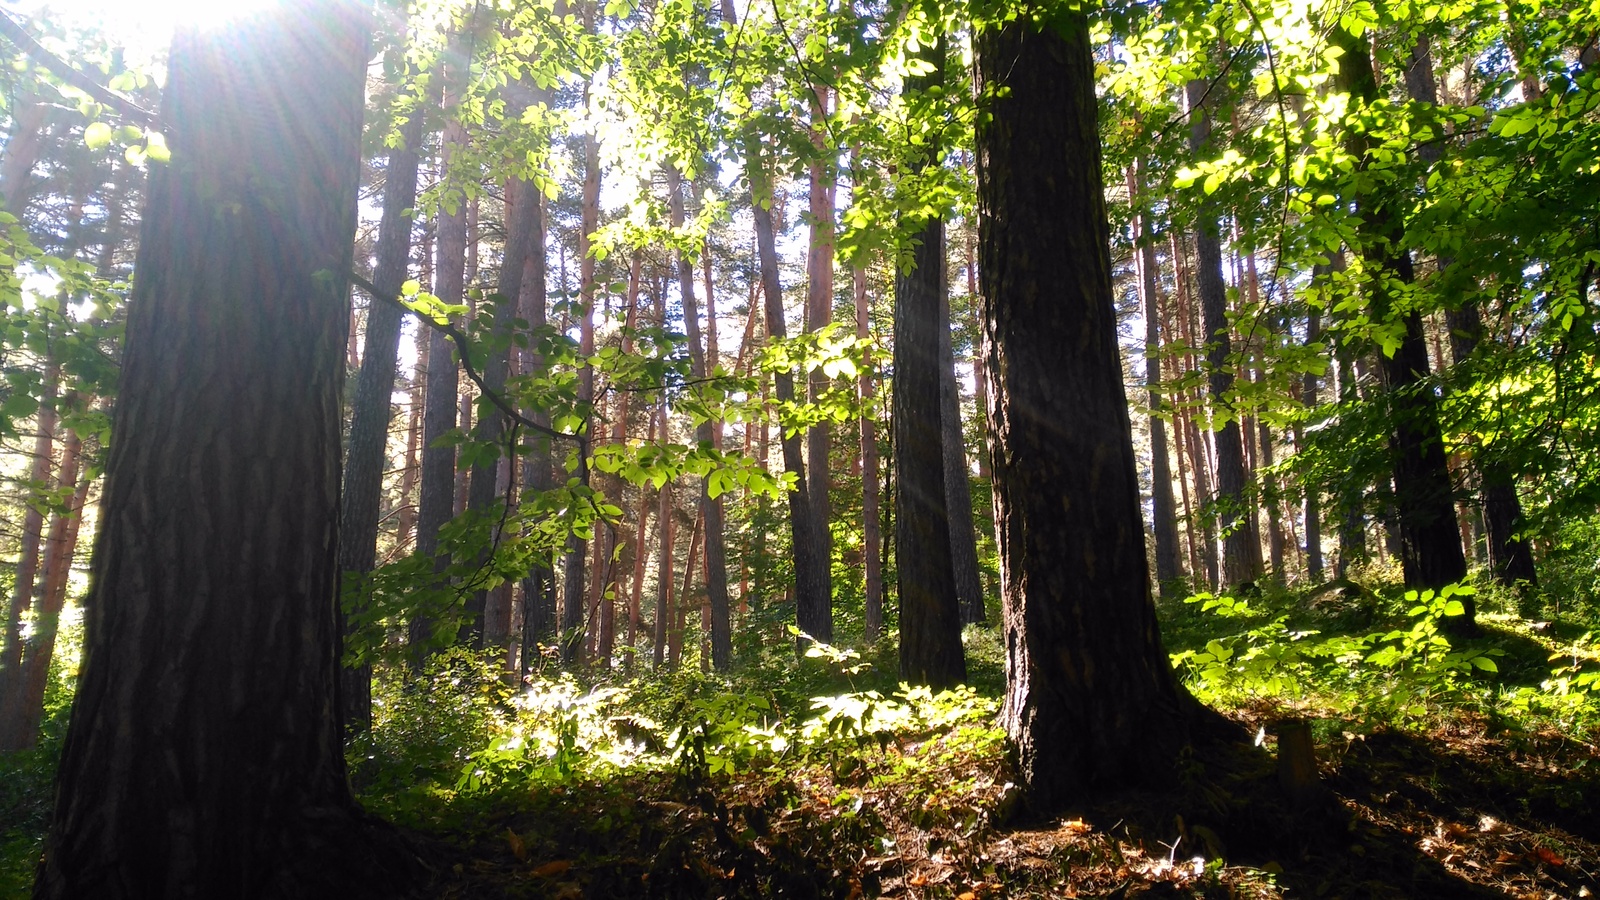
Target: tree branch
{"x": 65, "y": 71}
{"x": 462, "y": 348}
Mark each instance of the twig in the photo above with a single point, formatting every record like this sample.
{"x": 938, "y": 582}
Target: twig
{"x": 64, "y": 71}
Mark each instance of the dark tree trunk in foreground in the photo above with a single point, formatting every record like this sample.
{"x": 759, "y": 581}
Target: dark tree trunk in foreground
{"x": 366, "y": 454}
{"x": 1430, "y": 544}
{"x": 930, "y": 613}
{"x": 204, "y": 758}
{"x": 1090, "y": 700}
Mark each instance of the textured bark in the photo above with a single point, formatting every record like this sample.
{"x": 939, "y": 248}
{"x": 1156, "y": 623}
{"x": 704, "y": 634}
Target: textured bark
{"x": 813, "y": 593}
{"x": 1164, "y": 518}
{"x": 1424, "y": 509}
{"x": 437, "y": 493}
{"x": 203, "y": 756}
{"x": 930, "y": 610}
{"x": 1241, "y": 545}
{"x": 663, "y": 568}
{"x": 710, "y": 507}
{"x": 1091, "y": 700}
{"x": 366, "y": 451}
{"x": 957, "y": 477}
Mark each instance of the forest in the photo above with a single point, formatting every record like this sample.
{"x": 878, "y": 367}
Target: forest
{"x": 799, "y": 448}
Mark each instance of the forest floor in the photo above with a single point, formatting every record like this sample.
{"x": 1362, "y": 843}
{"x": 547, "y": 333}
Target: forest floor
{"x": 1460, "y": 810}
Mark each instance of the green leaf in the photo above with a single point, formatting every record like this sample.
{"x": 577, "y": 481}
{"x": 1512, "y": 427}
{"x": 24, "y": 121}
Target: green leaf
{"x": 97, "y": 136}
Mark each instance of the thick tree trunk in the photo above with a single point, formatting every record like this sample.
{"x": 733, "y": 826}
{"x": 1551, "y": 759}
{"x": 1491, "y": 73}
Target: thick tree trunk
{"x": 204, "y": 755}
{"x": 705, "y": 433}
{"x": 366, "y": 452}
{"x": 1241, "y": 545}
{"x": 1164, "y": 516}
{"x": 813, "y": 593}
{"x": 930, "y": 609}
{"x": 1091, "y": 700}
{"x": 1430, "y": 546}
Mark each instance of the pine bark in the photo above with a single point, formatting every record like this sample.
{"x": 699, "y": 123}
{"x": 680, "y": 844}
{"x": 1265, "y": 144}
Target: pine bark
{"x": 203, "y": 756}
{"x": 819, "y": 315}
{"x": 1091, "y": 701}
{"x": 871, "y": 528}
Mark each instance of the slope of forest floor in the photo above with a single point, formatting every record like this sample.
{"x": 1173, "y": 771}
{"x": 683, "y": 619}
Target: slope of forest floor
{"x": 1460, "y": 810}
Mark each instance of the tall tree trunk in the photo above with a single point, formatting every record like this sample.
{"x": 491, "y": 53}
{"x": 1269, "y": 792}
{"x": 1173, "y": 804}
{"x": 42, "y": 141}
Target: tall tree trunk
{"x": 32, "y": 532}
{"x": 523, "y": 220}
{"x": 663, "y": 566}
{"x": 1198, "y": 456}
{"x": 1241, "y": 545}
{"x": 813, "y": 594}
{"x": 1431, "y": 555}
{"x": 930, "y": 610}
{"x": 366, "y": 452}
{"x": 1308, "y": 398}
{"x": 203, "y": 756}
{"x": 1164, "y": 518}
{"x": 539, "y": 619}
{"x": 818, "y": 315}
{"x": 871, "y": 530}
{"x": 957, "y": 477}
{"x": 710, "y": 507}
{"x": 437, "y": 493}
{"x": 1091, "y": 700}
{"x": 23, "y": 710}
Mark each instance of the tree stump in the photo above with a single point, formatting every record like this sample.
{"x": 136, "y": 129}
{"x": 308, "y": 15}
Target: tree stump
{"x": 1297, "y": 762}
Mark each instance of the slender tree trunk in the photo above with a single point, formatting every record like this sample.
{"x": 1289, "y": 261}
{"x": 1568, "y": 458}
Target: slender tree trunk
{"x": 22, "y": 711}
{"x": 813, "y": 594}
{"x": 1241, "y": 546}
{"x": 573, "y": 579}
{"x": 1091, "y": 700}
{"x": 203, "y": 756}
{"x": 539, "y": 620}
{"x": 437, "y": 493}
{"x": 872, "y": 534}
{"x": 1198, "y": 454}
{"x": 663, "y": 567}
{"x": 680, "y": 611}
{"x": 1308, "y": 398}
{"x": 930, "y": 609}
{"x": 366, "y": 451}
{"x": 1431, "y": 555}
{"x": 1164, "y": 519}
{"x": 710, "y": 507}
{"x": 32, "y": 533}
{"x": 818, "y": 315}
